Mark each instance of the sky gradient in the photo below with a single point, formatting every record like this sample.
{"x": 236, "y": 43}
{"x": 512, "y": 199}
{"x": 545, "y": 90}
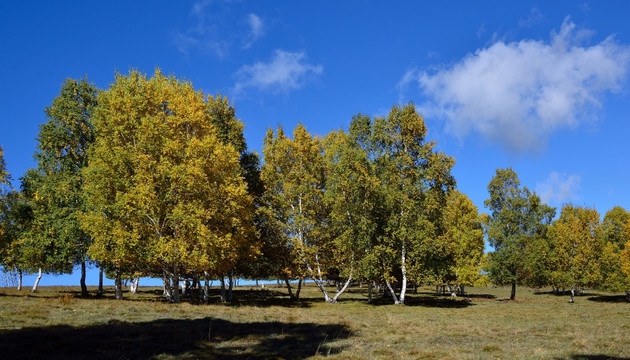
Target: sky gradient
{"x": 538, "y": 86}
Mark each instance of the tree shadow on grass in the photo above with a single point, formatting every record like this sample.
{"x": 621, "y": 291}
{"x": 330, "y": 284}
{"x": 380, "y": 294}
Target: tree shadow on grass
{"x": 566, "y": 293}
{"x": 208, "y": 338}
{"x": 425, "y": 300}
{"x": 609, "y": 298}
{"x": 241, "y": 297}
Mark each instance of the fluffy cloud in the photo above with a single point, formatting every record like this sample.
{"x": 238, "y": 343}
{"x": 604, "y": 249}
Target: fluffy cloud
{"x": 559, "y": 188}
{"x": 286, "y": 71}
{"x": 518, "y": 93}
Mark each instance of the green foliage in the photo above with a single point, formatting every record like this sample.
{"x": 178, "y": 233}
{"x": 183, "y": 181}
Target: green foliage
{"x": 517, "y": 222}
{"x": 352, "y": 195}
{"x": 415, "y": 181}
{"x": 54, "y": 187}
{"x": 164, "y": 191}
{"x": 16, "y": 215}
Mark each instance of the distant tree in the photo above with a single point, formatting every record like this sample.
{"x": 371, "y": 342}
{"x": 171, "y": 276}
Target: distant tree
{"x": 578, "y": 247}
{"x": 62, "y": 147}
{"x": 165, "y": 192}
{"x": 517, "y": 218}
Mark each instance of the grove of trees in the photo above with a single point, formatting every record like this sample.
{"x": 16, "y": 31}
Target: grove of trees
{"x": 151, "y": 177}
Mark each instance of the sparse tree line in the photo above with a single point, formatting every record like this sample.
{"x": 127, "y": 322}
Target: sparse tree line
{"x": 153, "y": 178}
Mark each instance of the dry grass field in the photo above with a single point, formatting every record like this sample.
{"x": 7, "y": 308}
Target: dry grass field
{"x": 56, "y": 323}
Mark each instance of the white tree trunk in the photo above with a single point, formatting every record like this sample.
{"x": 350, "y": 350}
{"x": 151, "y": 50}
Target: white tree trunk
{"x": 345, "y": 286}
{"x": 184, "y": 288}
{"x": 39, "y": 277}
{"x": 403, "y": 268}
{"x": 19, "y": 287}
{"x": 392, "y": 292}
{"x": 262, "y": 283}
{"x": 168, "y": 291}
{"x": 134, "y": 285}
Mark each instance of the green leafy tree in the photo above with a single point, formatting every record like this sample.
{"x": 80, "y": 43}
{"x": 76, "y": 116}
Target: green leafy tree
{"x": 293, "y": 174}
{"x": 165, "y": 192}
{"x": 62, "y": 146}
{"x": 517, "y": 218}
{"x": 352, "y": 197}
{"x": 578, "y": 247}
{"x": 415, "y": 180}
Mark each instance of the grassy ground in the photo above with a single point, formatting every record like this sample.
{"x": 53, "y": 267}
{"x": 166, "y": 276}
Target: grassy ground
{"x": 56, "y": 323}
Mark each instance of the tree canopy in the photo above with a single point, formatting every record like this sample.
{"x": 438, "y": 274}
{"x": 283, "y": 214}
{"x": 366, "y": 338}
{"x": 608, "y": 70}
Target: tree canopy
{"x": 165, "y": 192}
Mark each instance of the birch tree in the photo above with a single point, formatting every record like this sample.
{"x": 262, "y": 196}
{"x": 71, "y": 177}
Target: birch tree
{"x": 166, "y": 191}
{"x": 352, "y": 197}
{"x": 293, "y": 174}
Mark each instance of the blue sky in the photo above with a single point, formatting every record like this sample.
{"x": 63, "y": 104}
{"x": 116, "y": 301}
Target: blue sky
{"x": 539, "y": 86}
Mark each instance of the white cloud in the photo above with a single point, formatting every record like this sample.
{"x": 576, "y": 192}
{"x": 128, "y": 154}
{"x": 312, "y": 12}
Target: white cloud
{"x": 214, "y": 28}
{"x": 286, "y": 71}
{"x": 518, "y": 93}
{"x": 257, "y": 29}
{"x": 559, "y": 188}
